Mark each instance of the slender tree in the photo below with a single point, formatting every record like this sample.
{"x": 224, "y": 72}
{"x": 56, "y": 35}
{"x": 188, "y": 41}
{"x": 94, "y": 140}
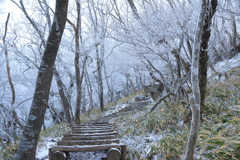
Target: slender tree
{"x": 13, "y": 114}
{"x": 7, "y": 61}
{"x": 61, "y": 87}
{"x": 79, "y": 72}
{"x": 196, "y": 98}
{"x": 204, "y": 56}
{"x": 29, "y": 139}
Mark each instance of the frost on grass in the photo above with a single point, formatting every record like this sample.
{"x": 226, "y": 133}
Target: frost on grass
{"x": 87, "y": 155}
{"x": 115, "y": 109}
{"x": 140, "y": 146}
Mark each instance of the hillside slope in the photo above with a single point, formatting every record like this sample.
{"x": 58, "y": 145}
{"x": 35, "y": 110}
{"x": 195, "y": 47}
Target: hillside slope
{"x": 162, "y": 134}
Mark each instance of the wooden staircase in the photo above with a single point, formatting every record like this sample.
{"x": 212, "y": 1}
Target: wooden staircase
{"x": 97, "y": 135}
{"x": 87, "y": 137}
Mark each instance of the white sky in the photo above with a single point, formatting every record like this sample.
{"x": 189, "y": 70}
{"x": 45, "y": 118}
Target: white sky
{"x": 7, "y": 6}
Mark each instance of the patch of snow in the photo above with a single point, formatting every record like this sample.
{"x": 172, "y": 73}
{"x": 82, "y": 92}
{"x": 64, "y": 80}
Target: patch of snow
{"x": 142, "y": 143}
{"x": 87, "y": 155}
{"x": 116, "y": 108}
{"x": 226, "y": 65}
{"x": 157, "y": 157}
{"x": 42, "y": 149}
{"x": 180, "y": 123}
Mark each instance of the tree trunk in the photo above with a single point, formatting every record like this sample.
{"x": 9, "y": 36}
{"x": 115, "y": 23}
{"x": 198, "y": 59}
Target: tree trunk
{"x": 29, "y": 139}
{"x": 203, "y": 61}
{"x": 62, "y": 91}
{"x": 7, "y": 61}
{"x": 79, "y": 77}
{"x": 110, "y": 90}
{"x": 14, "y": 114}
{"x": 235, "y": 35}
{"x": 196, "y": 99}
{"x": 90, "y": 93}
{"x": 134, "y": 9}
{"x": 43, "y": 42}
{"x": 100, "y": 81}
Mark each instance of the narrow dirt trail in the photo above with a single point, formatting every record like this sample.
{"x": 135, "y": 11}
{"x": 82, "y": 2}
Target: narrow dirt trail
{"x": 136, "y": 105}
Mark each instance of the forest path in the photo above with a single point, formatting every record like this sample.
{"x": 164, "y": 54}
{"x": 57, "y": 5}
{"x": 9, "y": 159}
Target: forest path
{"x": 133, "y": 106}
{"x": 96, "y": 135}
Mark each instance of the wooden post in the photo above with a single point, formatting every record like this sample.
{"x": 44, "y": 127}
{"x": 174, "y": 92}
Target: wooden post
{"x": 123, "y": 152}
{"x": 57, "y": 155}
{"x": 50, "y": 153}
{"x": 114, "y": 154}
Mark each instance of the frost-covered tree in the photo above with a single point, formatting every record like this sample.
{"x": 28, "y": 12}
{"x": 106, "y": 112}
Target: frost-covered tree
{"x": 44, "y": 8}
{"x": 196, "y": 97}
{"x": 29, "y": 139}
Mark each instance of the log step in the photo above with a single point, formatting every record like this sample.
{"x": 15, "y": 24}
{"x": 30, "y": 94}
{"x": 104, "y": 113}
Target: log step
{"x": 89, "y": 134}
{"x": 78, "y": 131}
{"x": 92, "y": 127}
{"x": 86, "y": 148}
{"x": 94, "y": 124}
{"x": 88, "y": 142}
{"x": 90, "y": 138}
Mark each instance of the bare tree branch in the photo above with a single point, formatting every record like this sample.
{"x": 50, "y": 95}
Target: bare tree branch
{"x": 168, "y": 94}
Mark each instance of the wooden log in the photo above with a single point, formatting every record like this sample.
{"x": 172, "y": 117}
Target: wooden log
{"x": 87, "y": 148}
{"x": 57, "y": 155}
{"x": 89, "y": 134}
{"x": 101, "y": 122}
{"x": 87, "y": 142}
{"x": 93, "y": 128}
{"x": 95, "y": 124}
{"x": 90, "y": 137}
{"x": 78, "y": 131}
{"x": 91, "y": 124}
{"x": 123, "y": 152}
{"x": 114, "y": 154}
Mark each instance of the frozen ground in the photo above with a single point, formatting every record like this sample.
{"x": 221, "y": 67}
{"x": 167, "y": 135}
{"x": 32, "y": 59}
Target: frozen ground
{"x": 116, "y": 109}
{"x": 42, "y": 149}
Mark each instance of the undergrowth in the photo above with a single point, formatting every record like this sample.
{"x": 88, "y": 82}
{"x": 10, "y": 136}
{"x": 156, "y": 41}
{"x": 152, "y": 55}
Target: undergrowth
{"x": 54, "y": 131}
{"x": 162, "y": 132}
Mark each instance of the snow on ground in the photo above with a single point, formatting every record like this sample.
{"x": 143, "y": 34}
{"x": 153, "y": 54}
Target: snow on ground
{"x": 42, "y": 149}
{"x": 226, "y": 65}
{"x": 142, "y": 143}
{"x": 97, "y": 155}
{"x": 116, "y": 109}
